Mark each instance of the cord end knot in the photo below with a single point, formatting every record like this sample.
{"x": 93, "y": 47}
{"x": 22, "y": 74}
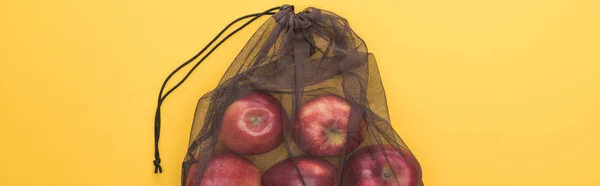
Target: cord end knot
{"x": 157, "y": 167}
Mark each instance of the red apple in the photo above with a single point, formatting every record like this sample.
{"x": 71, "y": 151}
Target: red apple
{"x": 225, "y": 169}
{"x": 252, "y": 124}
{"x": 368, "y": 167}
{"x": 322, "y": 127}
{"x": 315, "y": 172}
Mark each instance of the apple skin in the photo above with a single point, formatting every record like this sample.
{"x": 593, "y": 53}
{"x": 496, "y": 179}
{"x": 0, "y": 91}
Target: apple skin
{"x": 315, "y": 172}
{"x": 321, "y": 128}
{"x": 225, "y": 169}
{"x": 368, "y": 167}
{"x": 252, "y": 124}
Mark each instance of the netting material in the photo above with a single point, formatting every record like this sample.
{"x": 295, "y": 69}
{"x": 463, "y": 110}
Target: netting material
{"x": 295, "y": 59}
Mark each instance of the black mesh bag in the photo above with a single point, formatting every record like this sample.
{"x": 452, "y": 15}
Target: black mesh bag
{"x": 301, "y": 104}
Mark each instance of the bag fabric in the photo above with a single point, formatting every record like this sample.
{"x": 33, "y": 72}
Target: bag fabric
{"x": 301, "y": 104}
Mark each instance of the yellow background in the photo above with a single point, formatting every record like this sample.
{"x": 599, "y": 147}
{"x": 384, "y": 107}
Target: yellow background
{"x": 486, "y": 93}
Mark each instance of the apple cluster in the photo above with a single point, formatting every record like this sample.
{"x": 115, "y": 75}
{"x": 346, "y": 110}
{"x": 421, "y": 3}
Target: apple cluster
{"x": 253, "y": 125}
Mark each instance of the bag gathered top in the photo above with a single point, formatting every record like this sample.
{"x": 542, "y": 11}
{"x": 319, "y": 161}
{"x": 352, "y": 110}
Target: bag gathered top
{"x": 301, "y": 104}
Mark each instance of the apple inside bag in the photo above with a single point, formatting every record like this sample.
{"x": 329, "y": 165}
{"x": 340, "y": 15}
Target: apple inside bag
{"x": 301, "y": 104}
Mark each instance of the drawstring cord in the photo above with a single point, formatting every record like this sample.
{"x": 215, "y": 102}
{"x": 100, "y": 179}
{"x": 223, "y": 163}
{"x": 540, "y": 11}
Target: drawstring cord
{"x": 161, "y": 97}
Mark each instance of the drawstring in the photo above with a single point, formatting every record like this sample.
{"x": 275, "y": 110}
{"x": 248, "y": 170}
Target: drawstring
{"x": 161, "y": 97}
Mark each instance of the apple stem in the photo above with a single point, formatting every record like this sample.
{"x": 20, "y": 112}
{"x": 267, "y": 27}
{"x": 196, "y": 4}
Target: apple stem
{"x": 387, "y": 175}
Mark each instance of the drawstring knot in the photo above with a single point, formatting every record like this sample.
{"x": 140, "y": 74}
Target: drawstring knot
{"x": 157, "y": 167}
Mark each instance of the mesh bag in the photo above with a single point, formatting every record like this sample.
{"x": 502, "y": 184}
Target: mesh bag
{"x": 301, "y": 104}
